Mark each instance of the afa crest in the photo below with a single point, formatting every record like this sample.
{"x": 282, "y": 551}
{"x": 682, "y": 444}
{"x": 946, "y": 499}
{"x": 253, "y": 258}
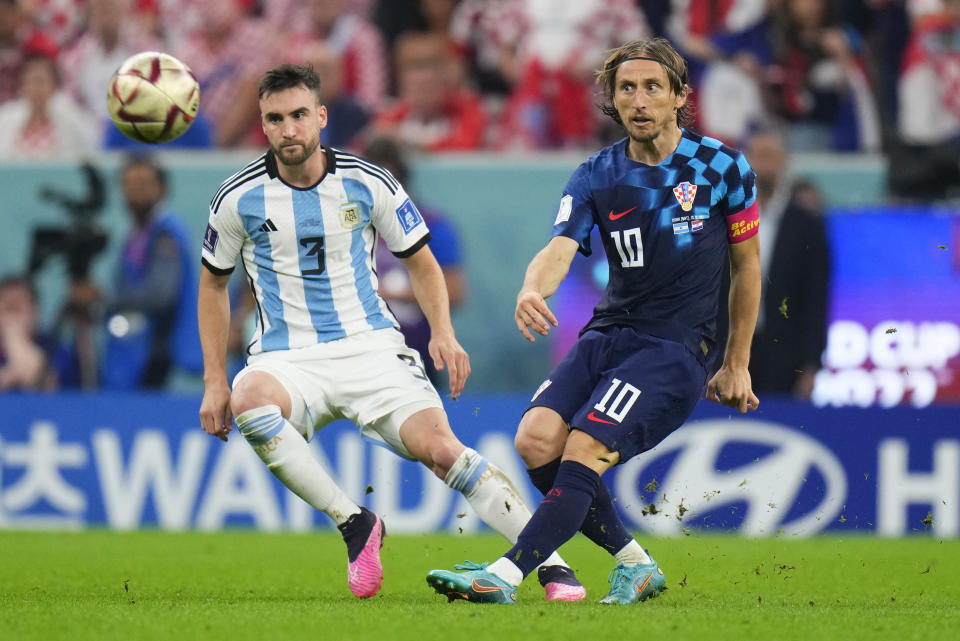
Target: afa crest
{"x": 350, "y": 217}
{"x": 685, "y": 193}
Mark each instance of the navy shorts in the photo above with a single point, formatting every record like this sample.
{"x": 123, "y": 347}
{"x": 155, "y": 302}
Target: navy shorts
{"x": 626, "y": 389}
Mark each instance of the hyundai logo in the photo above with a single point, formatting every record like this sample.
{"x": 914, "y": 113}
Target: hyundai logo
{"x": 769, "y": 484}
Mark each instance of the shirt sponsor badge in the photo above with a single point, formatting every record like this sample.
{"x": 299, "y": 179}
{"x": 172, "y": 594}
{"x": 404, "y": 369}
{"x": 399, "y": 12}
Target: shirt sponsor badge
{"x": 408, "y": 215}
{"x": 544, "y": 385}
{"x": 350, "y": 217}
{"x": 563, "y": 214}
{"x": 685, "y": 193}
{"x": 210, "y": 239}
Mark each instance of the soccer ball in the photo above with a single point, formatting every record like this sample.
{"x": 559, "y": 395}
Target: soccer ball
{"x": 153, "y": 97}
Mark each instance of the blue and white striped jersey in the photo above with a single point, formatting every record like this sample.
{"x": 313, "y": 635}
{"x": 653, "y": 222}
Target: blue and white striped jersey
{"x": 309, "y": 253}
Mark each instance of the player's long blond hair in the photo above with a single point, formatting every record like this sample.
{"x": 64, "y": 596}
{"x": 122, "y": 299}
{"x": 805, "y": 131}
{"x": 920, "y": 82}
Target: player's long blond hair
{"x": 656, "y": 49}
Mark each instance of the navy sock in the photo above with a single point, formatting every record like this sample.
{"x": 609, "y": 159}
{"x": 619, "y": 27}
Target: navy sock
{"x": 557, "y": 518}
{"x": 602, "y": 524}
{"x": 543, "y": 477}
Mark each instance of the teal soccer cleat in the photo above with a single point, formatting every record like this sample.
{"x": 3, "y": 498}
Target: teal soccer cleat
{"x": 472, "y": 583}
{"x": 638, "y": 583}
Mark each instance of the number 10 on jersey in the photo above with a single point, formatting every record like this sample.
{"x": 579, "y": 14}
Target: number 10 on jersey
{"x": 629, "y": 246}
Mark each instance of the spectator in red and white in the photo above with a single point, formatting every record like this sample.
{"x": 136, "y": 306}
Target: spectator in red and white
{"x": 434, "y": 111}
{"x": 925, "y": 162}
{"x": 930, "y": 78}
{"x": 62, "y": 20}
{"x": 552, "y": 67}
{"x": 354, "y": 39}
{"x": 45, "y": 123}
{"x": 19, "y": 40}
{"x": 819, "y": 82}
{"x": 111, "y": 37}
{"x": 227, "y": 53}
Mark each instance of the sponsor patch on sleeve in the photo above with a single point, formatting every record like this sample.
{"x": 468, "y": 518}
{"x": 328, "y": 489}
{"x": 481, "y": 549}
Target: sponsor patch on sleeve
{"x": 566, "y": 206}
{"x": 544, "y": 385}
{"x": 210, "y": 239}
{"x": 743, "y": 225}
{"x": 408, "y": 215}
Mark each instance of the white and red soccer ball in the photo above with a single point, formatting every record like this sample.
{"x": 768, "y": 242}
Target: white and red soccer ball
{"x": 153, "y": 97}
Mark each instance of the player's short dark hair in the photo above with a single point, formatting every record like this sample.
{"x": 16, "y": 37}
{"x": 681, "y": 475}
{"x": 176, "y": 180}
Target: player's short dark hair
{"x": 288, "y": 76}
{"x": 656, "y": 49}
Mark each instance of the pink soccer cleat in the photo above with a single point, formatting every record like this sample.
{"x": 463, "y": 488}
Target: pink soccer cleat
{"x": 364, "y": 534}
{"x": 560, "y": 584}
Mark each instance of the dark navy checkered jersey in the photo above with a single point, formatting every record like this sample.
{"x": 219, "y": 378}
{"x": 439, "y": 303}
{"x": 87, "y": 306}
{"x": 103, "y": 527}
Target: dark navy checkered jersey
{"x": 665, "y": 231}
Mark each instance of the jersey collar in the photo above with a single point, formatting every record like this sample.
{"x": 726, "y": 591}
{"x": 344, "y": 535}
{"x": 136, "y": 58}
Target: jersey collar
{"x": 331, "y": 168}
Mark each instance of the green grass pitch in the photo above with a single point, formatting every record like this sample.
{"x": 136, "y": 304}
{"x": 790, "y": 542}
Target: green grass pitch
{"x": 240, "y": 585}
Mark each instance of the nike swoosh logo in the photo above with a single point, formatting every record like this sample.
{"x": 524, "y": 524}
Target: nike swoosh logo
{"x": 484, "y": 588}
{"x": 641, "y": 588}
{"x": 593, "y": 417}
{"x": 614, "y": 216}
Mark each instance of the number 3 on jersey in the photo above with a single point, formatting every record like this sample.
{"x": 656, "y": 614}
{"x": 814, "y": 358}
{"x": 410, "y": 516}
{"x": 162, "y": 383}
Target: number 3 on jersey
{"x": 629, "y": 246}
{"x": 314, "y": 247}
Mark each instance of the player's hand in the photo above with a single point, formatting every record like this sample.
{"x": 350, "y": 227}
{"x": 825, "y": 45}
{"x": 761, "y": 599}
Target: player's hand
{"x": 215, "y": 415}
{"x": 731, "y": 386}
{"x": 446, "y": 351}
{"x": 532, "y": 312}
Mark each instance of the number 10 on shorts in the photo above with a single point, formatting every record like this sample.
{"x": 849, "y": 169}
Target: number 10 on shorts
{"x": 622, "y": 403}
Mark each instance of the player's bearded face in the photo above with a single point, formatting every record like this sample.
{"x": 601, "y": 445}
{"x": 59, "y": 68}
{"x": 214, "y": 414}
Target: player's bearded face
{"x": 292, "y": 121}
{"x": 645, "y": 100}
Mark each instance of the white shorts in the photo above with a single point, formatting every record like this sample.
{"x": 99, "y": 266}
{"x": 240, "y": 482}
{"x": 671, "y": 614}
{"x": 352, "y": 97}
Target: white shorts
{"x": 372, "y": 379}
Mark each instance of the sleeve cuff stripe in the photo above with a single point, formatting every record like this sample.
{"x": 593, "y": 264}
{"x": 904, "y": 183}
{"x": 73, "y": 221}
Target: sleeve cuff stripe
{"x": 214, "y": 269}
{"x": 407, "y": 253}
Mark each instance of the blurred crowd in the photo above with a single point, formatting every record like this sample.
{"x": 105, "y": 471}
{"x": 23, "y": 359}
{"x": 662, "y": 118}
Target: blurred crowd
{"x": 844, "y": 75}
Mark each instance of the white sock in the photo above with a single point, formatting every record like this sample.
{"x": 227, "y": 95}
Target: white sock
{"x": 286, "y": 453}
{"x": 506, "y": 570}
{"x": 494, "y": 498}
{"x": 632, "y": 554}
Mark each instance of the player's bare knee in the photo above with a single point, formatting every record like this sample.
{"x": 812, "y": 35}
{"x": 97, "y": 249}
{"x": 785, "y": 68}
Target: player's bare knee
{"x": 530, "y": 447}
{"x": 540, "y": 438}
{"x": 428, "y": 437}
{"x": 256, "y": 390}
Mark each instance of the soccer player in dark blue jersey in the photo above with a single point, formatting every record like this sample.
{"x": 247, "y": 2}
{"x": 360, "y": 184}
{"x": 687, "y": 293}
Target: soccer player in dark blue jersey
{"x": 673, "y": 208}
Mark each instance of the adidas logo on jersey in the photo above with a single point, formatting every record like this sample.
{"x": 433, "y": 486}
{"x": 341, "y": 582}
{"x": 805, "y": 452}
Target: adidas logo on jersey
{"x": 267, "y": 226}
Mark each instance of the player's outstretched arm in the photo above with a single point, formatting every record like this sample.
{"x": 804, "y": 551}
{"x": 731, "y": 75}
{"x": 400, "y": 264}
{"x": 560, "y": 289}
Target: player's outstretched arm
{"x": 213, "y": 307}
{"x": 426, "y": 279}
{"x": 544, "y": 274}
{"x": 731, "y": 385}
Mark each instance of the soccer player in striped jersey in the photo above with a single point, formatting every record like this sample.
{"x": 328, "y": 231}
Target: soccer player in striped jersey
{"x": 304, "y": 221}
{"x": 672, "y": 208}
